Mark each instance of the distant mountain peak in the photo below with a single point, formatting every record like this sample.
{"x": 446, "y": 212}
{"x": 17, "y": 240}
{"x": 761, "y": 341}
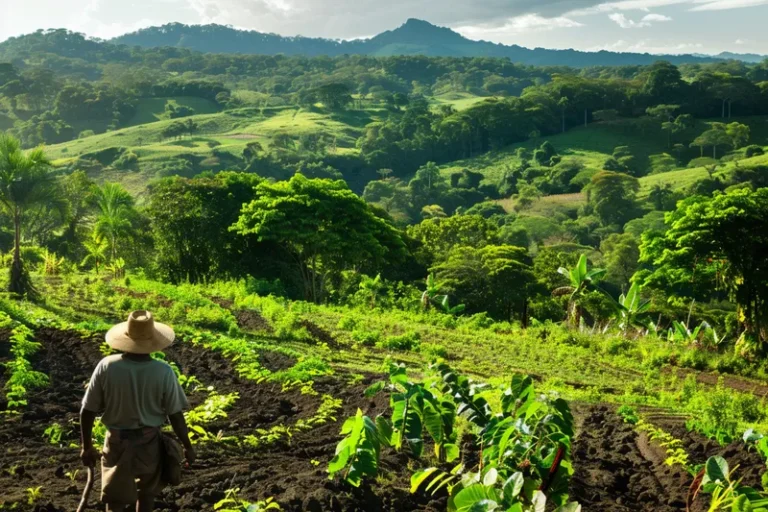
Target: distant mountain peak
{"x": 416, "y": 31}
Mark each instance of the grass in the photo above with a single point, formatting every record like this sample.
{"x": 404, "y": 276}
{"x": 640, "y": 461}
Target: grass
{"x": 150, "y": 110}
{"x": 458, "y": 100}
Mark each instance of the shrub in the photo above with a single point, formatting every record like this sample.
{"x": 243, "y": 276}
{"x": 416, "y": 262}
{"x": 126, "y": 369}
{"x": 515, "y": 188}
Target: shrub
{"x": 433, "y": 350}
{"x": 753, "y": 150}
{"x": 403, "y": 342}
{"x": 210, "y": 318}
{"x": 694, "y": 359}
{"x": 347, "y": 323}
{"x": 366, "y": 338}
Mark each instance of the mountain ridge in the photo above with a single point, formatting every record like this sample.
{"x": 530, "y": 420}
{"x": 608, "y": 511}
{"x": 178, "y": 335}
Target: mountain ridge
{"x": 414, "y": 37}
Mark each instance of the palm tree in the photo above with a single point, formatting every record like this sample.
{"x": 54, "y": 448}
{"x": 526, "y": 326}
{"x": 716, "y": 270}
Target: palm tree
{"x": 583, "y": 281}
{"x": 97, "y": 252}
{"x": 115, "y": 211}
{"x": 372, "y": 286}
{"x": 25, "y": 182}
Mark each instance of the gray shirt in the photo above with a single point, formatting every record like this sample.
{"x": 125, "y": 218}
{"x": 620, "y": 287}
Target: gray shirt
{"x": 133, "y": 394}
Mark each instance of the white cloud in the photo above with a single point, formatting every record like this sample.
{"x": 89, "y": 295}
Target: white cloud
{"x": 647, "y": 5}
{"x": 518, "y": 25}
{"x": 650, "y": 46}
{"x": 649, "y": 19}
{"x": 721, "y": 5}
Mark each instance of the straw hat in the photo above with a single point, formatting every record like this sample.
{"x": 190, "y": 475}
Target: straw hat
{"x": 140, "y": 334}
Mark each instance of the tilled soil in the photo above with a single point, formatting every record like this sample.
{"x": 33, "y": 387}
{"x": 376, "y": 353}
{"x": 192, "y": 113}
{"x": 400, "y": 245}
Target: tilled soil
{"x": 618, "y": 469}
{"x": 293, "y": 472}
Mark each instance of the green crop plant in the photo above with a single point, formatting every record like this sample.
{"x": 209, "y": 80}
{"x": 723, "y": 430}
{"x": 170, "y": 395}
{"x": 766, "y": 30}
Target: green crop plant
{"x": 582, "y": 282}
{"x": 357, "y": 455}
{"x": 54, "y": 434}
{"x": 417, "y": 409}
{"x": 214, "y": 407}
{"x": 631, "y": 309}
{"x": 22, "y": 377}
{"x": 524, "y": 449}
{"x": 727, "y": 494}
{"x": 233, "y": 503}
{"x": 680, "y": 333}
{"x": 628, "y": 414}
{"x": 34, "y": 494}
{"x": 72, "y": 475}
{"x": 673, "y": 447}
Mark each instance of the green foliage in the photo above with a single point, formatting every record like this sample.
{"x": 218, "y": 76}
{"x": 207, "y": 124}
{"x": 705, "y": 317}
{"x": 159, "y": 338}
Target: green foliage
{"x": 628, "y": 414}
{"x": 403, "y": 342}
{"x": 357, "y": 455}
{"x": 525, "y": 449}
{"x": 233, "y": 503}
{"x": 714, "y": 243}
{"x": 323, "y": 224}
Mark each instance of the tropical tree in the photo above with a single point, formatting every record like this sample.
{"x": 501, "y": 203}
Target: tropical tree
{"x": 371, "y": 286}
{"x": 716, "y": 244}
{"x": 582, "y": 282}
{"x": 25, "y": 182}
{"x": 96, "y": 248}
{"x": 115, "y": 217}
{"x": 322, "y": 225}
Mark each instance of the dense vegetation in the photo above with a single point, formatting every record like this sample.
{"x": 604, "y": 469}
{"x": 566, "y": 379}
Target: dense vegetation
{"x": 603, "y": 229}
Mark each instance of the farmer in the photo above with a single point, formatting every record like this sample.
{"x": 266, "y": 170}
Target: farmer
{"x": 135, "y": 394}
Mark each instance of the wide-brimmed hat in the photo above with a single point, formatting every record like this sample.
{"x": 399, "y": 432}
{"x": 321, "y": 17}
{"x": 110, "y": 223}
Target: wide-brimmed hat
{"x": 140, "y": 334}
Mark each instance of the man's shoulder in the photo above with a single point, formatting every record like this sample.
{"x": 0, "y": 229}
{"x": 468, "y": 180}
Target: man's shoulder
{"x": 110, "y": 360}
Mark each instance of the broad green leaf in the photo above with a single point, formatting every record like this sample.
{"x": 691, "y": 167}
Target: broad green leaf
{"x": 451, "y": 452}
{"x": 374, "y": 389}
{"x": 433, "y": 422}
{"x": 570, "y": 507}
{"x": 716, "y": 470}
{"x": 473, "y": 496}
{"x": 491, "y": 476}
{"x": 513, "y": 485}
{"x": 539, "y": 502}
{"x": 420, "y": 477}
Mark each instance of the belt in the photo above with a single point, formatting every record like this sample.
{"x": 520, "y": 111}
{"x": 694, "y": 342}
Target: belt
{"x": 133, "y": 433}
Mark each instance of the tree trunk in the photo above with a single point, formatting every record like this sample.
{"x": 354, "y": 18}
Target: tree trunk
{"x": 20, "y": 283}
{"x": 585, "y": 117}
{"x": 724, "y": 108}
{"x": 729, "y": 108}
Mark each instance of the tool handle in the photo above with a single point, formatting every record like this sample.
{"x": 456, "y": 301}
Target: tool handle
{"x": 87, "y": 491}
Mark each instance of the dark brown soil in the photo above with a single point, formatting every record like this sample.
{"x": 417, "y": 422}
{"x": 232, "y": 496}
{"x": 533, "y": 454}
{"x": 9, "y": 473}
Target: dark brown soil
{"x": 618, "y": 469}
{"x": 291, "y": 472}
{"x": 247, "y": 319}
{"x": 318, "y": 333}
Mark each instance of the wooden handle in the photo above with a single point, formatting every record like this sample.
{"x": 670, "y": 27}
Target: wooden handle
{"x": 87, "y": 491}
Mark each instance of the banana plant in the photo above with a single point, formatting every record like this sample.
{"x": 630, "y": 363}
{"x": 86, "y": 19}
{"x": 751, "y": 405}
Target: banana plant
{"x": 631, "y": 309}
{"x": 455, "y": 310}
{"x": 431, "y": 293}
{"x": 582, "y": 282}
{"x": 680, "y": 333}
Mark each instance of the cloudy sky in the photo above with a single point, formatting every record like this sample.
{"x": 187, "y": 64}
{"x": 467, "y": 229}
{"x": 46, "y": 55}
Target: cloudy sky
{"x": 655, "y": 26}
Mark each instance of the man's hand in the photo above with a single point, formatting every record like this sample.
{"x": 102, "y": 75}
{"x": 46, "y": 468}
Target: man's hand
{"x": 90, "y": 456}
{"x": 189, "y": 454}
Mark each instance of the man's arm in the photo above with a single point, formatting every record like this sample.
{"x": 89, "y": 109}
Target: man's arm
{"x": 88, "y": 453}
{"x": 179, "y": 425}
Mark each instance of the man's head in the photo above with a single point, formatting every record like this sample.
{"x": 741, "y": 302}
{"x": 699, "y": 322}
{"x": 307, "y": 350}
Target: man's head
{"x": 140, "y": 334}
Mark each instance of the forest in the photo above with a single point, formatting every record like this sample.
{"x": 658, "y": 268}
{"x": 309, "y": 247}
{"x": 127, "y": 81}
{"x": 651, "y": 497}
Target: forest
{"x": 400, "y": 282}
